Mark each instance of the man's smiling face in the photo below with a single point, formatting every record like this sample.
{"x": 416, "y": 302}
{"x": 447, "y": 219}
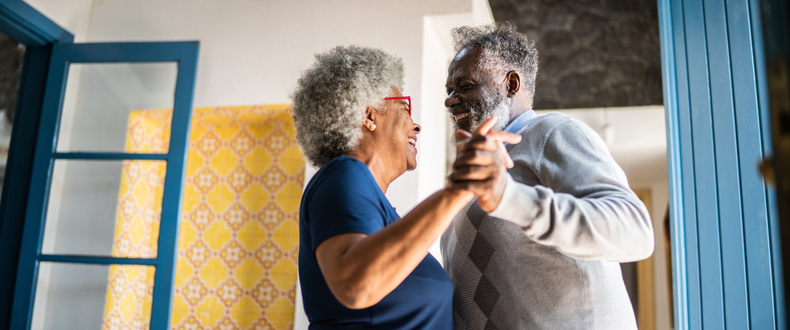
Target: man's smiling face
{"x": 472, "y": 93}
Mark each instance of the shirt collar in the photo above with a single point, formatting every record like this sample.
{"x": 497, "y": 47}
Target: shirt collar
{"x": 520, "y": 121}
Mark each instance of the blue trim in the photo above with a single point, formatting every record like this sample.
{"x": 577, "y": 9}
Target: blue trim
{"x": 677, "y": 232}
{"x": 107, "y": 156}
{"x": 761, "y": 298}
{"x": 27, "y": 270}
{"x": 129, "y": 52}
{"x": 95, "y": 260}
{"x": 688, "y": 189}
{"x": 729, "y": 204}
{"x": 185, "y": 54}
{"x": 724, "y": 240}
{"x": 710, "y": 263}
{"x": 174, "y": 185}
{"x": 25, "y": 24}
{"x": 18, "y": 172}
{"x": 774, "y": 234}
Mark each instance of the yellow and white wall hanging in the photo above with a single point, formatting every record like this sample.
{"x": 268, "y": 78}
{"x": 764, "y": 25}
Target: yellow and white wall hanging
{"x": 238, "y": 240}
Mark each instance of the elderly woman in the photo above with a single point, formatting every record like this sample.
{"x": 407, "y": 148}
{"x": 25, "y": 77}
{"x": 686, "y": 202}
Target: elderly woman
{"x": 361, "y": 265}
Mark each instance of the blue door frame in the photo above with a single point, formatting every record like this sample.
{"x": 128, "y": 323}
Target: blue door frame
{"x": 25, "y": 24}
{"x": 38, "y": 33}
{"x": 185, "y": 54}
{"x": 49, "y": 51}
{"x": 724, "y": 230}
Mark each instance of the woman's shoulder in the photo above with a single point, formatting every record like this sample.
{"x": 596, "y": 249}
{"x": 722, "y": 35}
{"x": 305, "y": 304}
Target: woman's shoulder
{"x": 343, "y": 161}
{"x": 343, "y": 167}
{"x": 341, "y": 173}
{"x": 343, "y": 185}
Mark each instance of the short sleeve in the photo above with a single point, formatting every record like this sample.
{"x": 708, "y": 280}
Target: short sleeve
{"x": 345, "y": 202}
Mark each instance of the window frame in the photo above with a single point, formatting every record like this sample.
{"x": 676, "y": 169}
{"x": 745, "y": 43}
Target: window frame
{"x": 185, "y": 54}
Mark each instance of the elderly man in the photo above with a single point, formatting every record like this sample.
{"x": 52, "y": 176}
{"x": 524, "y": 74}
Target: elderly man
{"x": 541, "y": 245}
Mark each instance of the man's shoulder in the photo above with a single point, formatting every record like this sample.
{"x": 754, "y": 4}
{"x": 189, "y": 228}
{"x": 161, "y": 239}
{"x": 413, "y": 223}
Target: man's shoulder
{"x": 538, "y": 131}
{"x": 559, "y": 127}
{"x": 545, "y": 124}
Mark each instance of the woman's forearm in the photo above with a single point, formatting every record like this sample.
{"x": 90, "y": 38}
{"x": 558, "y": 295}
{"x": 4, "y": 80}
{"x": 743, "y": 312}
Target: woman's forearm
{"x": 361, "y": 270}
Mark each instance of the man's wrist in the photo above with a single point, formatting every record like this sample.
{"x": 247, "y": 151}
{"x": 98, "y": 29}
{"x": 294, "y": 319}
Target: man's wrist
{"x": 502, "y": 194}
{"x": 457, "y": 193}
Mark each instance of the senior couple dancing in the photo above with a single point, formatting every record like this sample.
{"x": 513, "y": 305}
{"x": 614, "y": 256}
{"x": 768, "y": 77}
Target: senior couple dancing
{"x": 534, "y": 220}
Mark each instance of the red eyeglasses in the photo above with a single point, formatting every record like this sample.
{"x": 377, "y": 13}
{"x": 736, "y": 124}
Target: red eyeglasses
{"x": 407, "y": 98}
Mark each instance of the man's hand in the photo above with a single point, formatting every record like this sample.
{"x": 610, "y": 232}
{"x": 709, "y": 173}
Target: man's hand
{"x": 481, "y": 163}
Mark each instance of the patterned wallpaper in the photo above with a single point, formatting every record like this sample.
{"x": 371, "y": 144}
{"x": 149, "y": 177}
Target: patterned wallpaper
{"x": 238, "y": 241}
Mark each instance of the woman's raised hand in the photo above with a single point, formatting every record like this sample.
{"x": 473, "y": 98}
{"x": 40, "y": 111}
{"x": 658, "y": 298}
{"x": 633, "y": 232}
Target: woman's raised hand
{"x": 481, "y": 163}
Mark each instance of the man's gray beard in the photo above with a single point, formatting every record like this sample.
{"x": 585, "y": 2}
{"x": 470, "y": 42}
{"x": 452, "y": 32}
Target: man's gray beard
{"x": 498, "y": 108}
{"x": 480, "y": 111}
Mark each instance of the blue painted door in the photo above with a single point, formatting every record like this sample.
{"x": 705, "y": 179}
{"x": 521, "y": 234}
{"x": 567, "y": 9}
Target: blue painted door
{"x": 724, "y": 229}
{"x": 81, "y": 135}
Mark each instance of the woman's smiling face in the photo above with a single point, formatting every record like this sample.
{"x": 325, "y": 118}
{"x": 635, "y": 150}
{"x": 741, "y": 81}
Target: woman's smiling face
{"x": 399, "y": 132}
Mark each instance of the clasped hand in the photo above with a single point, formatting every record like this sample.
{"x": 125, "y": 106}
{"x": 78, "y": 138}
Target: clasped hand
{"x": 481, "y": 163}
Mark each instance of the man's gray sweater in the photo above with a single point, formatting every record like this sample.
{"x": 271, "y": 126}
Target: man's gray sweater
{"x": 565, "y": 221}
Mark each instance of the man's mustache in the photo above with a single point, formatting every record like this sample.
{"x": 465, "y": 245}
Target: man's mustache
{"x": 460, "y": 106}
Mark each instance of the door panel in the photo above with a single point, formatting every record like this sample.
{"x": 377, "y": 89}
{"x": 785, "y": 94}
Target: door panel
{"x": 91, "y": 92}
{"x": 100, "y": 97}
{"x": 93, "y": 201}
{"x": 62, "y": 284}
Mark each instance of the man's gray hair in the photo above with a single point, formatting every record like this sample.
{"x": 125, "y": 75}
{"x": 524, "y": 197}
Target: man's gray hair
{"x": 504, "y": 49}
{"x": 330, "y": 99}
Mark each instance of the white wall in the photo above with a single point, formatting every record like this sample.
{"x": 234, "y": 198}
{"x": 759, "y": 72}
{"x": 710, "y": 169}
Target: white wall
{"x": 253, "y": 51}
{"x": 72, "y": 15}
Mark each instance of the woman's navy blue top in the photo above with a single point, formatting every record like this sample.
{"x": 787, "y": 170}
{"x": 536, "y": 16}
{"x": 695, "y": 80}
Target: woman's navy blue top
{"x": 344, "y": 198}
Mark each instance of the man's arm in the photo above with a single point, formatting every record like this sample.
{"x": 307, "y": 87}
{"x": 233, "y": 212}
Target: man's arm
{"x": 587, "y": 213}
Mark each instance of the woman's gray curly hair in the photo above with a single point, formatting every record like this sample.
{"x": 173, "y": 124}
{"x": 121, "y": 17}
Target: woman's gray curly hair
{"x": 331, "y": 96}
{"x": 504, "y": 49}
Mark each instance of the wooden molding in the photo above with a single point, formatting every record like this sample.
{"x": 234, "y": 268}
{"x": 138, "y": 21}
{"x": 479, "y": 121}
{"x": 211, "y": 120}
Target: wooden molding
{"x": 645, "y": 280}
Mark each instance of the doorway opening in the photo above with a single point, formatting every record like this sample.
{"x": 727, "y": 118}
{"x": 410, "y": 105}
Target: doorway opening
{"x": 600, "y": 63}
{"x": 12, "y": 55}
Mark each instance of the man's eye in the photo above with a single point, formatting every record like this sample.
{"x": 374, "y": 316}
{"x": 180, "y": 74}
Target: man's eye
{"x": 467, "y": 86}
{"x": 449, "y": 90}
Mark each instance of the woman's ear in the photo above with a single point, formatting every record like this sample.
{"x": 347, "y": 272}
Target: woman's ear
{"x": 370, "y": 119}
{"x": 513, "y": 80}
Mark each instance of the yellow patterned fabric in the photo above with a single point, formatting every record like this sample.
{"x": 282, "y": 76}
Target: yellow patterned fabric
{"x": 239, "y": 236}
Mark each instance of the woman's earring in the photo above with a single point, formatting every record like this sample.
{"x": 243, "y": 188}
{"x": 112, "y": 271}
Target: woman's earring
{"x": 373, "y": 128}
